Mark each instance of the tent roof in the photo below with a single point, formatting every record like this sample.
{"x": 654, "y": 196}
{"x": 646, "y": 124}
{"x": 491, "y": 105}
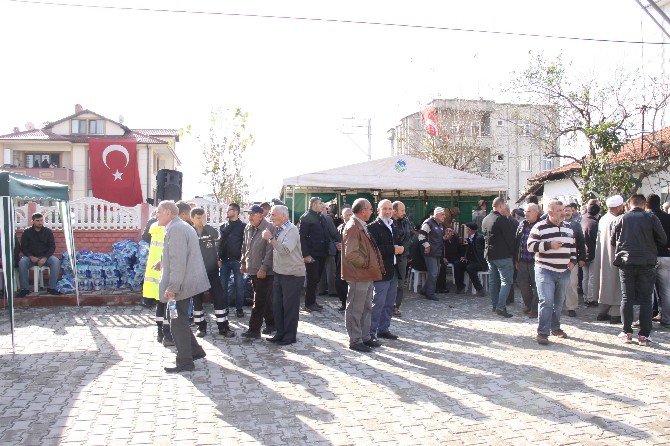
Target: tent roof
{"x": 31, "y": 188}
{"x": 397, "y": 173}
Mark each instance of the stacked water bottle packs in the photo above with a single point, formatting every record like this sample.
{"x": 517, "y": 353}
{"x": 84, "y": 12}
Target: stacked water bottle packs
{"x": 124, "y": 267}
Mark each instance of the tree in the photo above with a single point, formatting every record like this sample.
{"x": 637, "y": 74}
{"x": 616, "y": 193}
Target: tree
{"x": 600, "y": 118}
{"x": 224, "y": 150}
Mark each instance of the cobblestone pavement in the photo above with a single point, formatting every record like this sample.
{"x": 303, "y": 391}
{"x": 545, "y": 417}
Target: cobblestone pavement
{"x": 459, "y": 375}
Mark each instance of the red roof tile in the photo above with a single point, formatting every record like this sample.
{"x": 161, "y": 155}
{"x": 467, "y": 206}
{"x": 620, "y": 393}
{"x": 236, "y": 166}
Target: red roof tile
{"x": 641, "y": 148}
{"x": 46, "y": 135}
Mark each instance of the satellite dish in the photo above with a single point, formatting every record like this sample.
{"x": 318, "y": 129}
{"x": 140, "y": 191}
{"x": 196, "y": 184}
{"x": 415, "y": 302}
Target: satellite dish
{"x": 78, "y": 108}
{"x": 121, "y": 119}
{"x": 30, "y": 126}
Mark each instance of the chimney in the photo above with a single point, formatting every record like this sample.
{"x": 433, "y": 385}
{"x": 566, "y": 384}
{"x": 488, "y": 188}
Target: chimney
{"x": 30, "y": 126}
{"x": 78, "y": 108}
{"x": 16, "y": 130}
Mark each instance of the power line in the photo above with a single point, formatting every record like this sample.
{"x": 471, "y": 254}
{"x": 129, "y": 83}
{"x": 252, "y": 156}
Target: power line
{"x": 339, "y": 21}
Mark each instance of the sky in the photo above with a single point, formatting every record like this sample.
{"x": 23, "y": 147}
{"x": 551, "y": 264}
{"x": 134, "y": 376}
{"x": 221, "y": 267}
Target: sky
{"x": 296, "y": 79}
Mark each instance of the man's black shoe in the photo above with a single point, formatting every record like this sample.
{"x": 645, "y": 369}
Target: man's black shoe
{"x": 167, "y": 342}
{"x": 615, "y": 320}
{"x": 200, "y": 355}
{"x": 323, "y": 293}
{"x": 250, "y": 335}
{"x": 239, "y": 313}
{"x": 312, "y": 307}
{"x": 201, "y": 332}
{"x": 342, "y": 308}
{"x": 273, "y": 339}
{"x": 360, "y": 347}
{"x": 387, "y": 335}
{"x": 603, "y": 317}
{"x": 572, "y": 313}
{"x": 227, "y": 333}
{"x": 372, "y": 343}
{"x": 503, "y": 312}
{"x": 285, "y": 342}
{"x": 54, "y": 292}
{"x": 22, "y": 293}
{"x": 591, "y": 304}
{"x": 269, "y": 329}
{"x": 435, "y": 298}
{"x": 159, "y": 338}
{"x": 180, "y": 368}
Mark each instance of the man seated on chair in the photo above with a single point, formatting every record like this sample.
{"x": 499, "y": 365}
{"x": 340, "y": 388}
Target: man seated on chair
{"x": 38, "y": 246}
{"x": 472, "y": 262}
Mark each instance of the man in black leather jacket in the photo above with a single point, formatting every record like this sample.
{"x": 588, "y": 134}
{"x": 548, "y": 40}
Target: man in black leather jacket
{"x": 472, "y": 261}
{"x": 403, "y": 234}
{"x": 636, "y": 236}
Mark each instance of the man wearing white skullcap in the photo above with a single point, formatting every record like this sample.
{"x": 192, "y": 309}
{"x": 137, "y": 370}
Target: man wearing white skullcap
{"x": 605, "y": 283}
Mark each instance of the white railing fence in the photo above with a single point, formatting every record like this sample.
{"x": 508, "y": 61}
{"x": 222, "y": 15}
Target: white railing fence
{"x": 94, "y": 213}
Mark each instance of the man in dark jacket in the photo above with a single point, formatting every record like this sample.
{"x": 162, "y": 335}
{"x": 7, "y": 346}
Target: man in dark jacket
{"x": 385, "y": 290}
{"x": 38, "y": 247}
{"x": 403, "y": 234}
{"x": 663, "y": 260}
{"x": 524, "y": 260}
{"x": 230, "y": 253}
{"x": 208, "y": 238}
{"x": 472, "y": 261}
{"x": 636, "y": 236}
{"x": 590, "y": 229}
{"x": 315, "y": 239}
{"x": 340, "y": 284}
{"x": 571, "y": 294}
{"x": 431, "y": 239}
{"x": 499, "y": 249}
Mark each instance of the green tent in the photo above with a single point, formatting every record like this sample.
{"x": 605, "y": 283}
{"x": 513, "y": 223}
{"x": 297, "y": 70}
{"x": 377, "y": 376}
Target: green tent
{"x": 13, "y": 186}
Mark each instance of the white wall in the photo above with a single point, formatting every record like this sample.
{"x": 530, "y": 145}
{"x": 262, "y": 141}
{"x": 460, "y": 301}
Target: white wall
{"x": 565, "y": 190}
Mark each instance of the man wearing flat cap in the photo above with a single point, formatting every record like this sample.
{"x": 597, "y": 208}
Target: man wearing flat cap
{"x": 472, "y": 261}
{"x": 431, "y": 239}
{"x": 605, "y": 283}
{"x": 257, "y": 263}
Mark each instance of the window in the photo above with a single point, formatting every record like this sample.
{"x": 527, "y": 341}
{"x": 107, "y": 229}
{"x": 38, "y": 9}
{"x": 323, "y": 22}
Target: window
{"x": 525, "y": 163}
{"x": 42, "y": 160}
{"x": 525, "y": 128}
{"x": 88, "y": 127}
{"x": 475, "y": 129}
{"x": 485, "y": 125}
{"x": 547, "y": 163}
{"x": 500, "y": 122}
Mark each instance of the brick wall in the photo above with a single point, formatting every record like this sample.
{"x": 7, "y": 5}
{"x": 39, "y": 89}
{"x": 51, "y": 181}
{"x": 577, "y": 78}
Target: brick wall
{"x": 93, "y": 240}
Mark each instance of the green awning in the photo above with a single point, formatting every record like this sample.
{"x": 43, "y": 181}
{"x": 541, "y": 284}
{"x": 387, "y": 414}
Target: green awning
{"x": 25, "y": 187}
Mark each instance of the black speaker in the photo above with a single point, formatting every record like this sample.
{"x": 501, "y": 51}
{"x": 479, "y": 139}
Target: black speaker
{"x": 168, "y": 185}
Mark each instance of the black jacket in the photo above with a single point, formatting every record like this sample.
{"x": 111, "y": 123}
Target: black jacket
{"x": 499, "y": 237}
{"x": 208, "y": 240}
{"x": 146, "y": 235}
{"x": 38, "y": 244}
{"x": 663, "y": 250}
{"x": 590, "y": 231}
{"x": 579, "y": 239}
{"x": 232, "y": 236}
{"x": 383, "y": 238}
{"x": 474, "y": 252}
{"x": 315, "y": 234}
{"x": 636, "y": 236}
{"x": 403, "y": 234}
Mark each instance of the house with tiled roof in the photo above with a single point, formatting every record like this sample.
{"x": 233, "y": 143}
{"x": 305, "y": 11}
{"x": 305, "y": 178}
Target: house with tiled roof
{"x": 59, "y": 151}
{"x": 641, "y": 153}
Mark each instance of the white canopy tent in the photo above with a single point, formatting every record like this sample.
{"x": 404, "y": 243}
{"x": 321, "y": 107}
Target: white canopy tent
{"x": 397, "y": 173}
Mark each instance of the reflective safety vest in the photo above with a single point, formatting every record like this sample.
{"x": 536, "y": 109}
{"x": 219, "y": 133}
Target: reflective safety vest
{"x": 151, "y": 276}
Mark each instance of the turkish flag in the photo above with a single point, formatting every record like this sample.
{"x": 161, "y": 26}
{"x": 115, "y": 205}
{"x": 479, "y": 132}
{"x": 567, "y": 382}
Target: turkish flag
{"x": 114, "y": 173}
{"x": 429, "y": 116}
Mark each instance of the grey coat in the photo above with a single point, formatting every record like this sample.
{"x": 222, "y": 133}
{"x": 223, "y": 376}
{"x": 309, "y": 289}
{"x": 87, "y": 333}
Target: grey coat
{"x": 182, "y": 267}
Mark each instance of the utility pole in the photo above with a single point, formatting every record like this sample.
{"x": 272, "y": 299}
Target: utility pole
{"x": 368, "y": 125}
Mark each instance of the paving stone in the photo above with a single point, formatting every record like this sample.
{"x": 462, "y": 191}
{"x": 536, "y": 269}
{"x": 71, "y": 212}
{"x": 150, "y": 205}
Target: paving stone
{"x": 458, "y": 374}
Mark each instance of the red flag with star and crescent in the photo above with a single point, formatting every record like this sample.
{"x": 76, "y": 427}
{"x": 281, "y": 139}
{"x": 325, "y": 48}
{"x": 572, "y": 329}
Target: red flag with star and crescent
{"x": 430, "y": 121}
{"x": 114, "y": 173}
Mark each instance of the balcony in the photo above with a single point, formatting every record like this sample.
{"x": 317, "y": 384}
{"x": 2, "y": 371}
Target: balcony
{"x": 60, "y": 175}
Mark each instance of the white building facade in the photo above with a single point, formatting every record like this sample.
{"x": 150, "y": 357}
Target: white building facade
{"x": 515, "y": 139}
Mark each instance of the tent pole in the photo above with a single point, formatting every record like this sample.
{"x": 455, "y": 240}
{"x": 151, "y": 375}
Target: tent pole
{"x": 292, "y": 203}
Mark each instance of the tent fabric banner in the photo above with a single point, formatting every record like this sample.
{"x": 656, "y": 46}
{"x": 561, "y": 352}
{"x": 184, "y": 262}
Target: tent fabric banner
{"x": 114, "y": 172}
{"x": 7, "y": 232}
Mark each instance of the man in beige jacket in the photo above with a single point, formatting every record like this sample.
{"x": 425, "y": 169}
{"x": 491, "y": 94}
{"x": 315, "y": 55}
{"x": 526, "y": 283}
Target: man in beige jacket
{"x": 361, "y": 266}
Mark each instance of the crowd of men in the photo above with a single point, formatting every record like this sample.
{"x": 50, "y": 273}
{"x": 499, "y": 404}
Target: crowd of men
{"x": 623, "y": 258}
